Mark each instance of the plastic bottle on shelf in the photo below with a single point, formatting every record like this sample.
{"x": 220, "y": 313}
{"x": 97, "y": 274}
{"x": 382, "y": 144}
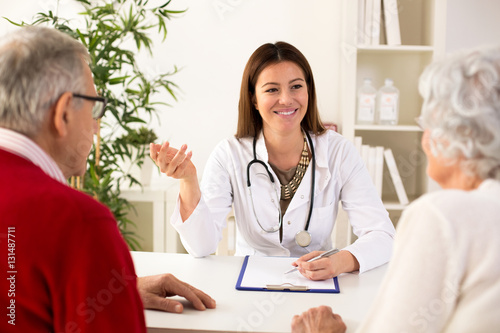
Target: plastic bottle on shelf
{"x": 388, "y": 104}
{"x": 366, "y": 103}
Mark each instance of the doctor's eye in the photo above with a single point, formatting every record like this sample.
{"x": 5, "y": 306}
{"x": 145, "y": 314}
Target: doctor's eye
{"x": 297, "y": 86}
{"x": 271, "y": 90}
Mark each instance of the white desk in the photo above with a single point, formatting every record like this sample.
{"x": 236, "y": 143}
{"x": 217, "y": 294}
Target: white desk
{"x": 239, "y": 311}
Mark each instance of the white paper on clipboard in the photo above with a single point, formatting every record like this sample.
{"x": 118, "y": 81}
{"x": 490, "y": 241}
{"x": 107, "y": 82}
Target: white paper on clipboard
{"x": 261, "y": 272}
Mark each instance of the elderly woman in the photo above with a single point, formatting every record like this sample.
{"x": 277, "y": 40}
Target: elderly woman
{"x": 445, "y": 273}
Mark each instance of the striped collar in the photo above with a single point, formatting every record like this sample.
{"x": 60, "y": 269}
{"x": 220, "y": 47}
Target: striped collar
{"x": 21, "y": 145}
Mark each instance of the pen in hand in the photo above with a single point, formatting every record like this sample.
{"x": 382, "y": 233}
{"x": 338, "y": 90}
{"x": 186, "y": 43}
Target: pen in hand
{"x": 322, "y": 255}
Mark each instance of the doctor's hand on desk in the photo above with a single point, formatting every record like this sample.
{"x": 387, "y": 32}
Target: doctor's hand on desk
{"x": 328, "y": 267}
{"x": 318, "y": 320}
{"x": 154, "y": 290}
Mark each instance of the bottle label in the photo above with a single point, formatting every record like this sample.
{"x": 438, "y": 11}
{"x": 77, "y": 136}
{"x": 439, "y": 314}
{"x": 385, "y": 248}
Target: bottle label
{"x": 388, "y": 109}
{"x": 366, "y": 107}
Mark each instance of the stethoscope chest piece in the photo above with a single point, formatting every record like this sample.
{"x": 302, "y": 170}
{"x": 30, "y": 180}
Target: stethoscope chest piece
{"x": 303, "y": 238}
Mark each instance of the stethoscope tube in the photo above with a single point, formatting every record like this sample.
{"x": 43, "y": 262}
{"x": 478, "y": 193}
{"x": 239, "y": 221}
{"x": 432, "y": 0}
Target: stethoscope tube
{"x": 313, "y": 179}
{"x": 255, "y": 160}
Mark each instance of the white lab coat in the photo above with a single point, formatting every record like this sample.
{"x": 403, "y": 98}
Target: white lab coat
{"x": 340, "y": 176}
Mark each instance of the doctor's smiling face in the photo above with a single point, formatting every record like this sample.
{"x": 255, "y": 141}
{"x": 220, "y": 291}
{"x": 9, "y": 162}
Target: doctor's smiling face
{"x": 281, "y": 97}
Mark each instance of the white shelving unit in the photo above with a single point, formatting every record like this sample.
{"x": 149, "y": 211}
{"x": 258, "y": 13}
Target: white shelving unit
{"x": 153, "y": 208}
{"x": 388, "y": 128}
{"x": 422, "y": 25}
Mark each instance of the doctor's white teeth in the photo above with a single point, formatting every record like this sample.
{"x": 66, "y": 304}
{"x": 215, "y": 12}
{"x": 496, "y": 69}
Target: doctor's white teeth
{"x": 286, "y": 113}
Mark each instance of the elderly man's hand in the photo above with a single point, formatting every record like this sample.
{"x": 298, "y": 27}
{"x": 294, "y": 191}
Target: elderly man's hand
{"x": 154, "y": 290}
{"x": 318, "y": 320}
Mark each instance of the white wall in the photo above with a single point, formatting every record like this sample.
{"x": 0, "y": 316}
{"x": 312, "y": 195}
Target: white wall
{"x": 472, "y": 23}
{"x": 212, "y": 41}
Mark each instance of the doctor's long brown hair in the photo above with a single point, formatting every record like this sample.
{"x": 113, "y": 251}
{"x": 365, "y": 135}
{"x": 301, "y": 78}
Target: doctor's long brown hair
{"x": 249, "y": 119}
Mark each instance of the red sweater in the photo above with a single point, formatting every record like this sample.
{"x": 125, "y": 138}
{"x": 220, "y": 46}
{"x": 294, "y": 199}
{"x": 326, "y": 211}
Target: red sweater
{"x": 64, "y": 265}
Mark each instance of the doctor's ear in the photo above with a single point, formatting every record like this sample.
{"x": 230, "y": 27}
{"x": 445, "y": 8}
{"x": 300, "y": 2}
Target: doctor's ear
{"x": 254, "y": 102}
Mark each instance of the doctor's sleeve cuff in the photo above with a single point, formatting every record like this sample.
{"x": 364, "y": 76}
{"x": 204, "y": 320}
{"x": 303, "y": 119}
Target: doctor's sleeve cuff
{"x": 372, "y": 250}
{"x": 198, "y": 234}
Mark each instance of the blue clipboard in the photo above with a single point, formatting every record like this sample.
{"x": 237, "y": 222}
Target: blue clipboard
{"x": 256, "y": 269}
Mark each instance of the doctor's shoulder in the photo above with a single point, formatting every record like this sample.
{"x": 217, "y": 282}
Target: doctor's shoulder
{"x": 232, "y": 149}
{"x": 334, "y": 143}
{"x": 331, "y": 136}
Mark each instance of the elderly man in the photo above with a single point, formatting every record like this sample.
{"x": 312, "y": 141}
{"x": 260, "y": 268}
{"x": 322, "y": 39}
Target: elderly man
{"x": 67, "y": 267}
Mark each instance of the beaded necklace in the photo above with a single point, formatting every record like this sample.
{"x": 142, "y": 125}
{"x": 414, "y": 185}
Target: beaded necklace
{"x": 288, "y": 190}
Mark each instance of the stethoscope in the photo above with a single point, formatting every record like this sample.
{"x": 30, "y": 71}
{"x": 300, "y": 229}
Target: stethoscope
{"x": 303, "y": 237}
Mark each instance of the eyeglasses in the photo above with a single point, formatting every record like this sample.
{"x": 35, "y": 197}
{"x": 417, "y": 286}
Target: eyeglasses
{"x": 420, "y": 122}
{"x": 99, "y": 105}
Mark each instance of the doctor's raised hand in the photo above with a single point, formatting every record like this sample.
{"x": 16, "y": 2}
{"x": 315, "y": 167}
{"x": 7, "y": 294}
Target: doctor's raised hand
{"x": 283, "y": 174}
{"x": 176, "y": 163}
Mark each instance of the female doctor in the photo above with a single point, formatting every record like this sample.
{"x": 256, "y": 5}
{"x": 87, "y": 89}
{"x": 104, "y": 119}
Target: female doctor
{"x": 284, "y": 174}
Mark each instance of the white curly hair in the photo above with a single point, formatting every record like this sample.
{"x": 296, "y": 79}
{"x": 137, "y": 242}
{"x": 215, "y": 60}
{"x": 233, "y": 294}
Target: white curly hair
{"x": 461, "y": 109}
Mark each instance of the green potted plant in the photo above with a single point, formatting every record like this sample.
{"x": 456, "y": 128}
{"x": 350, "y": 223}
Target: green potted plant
{"x": 133, "y": 148}
{"x": 115, "y": 31}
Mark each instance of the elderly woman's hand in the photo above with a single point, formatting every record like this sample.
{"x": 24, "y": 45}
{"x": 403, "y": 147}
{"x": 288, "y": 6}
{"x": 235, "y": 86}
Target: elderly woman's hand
{"x": 318, "y": 320}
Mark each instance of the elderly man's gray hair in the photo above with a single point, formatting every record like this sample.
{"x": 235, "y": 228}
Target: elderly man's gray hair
{"x": 37, "y": 65}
